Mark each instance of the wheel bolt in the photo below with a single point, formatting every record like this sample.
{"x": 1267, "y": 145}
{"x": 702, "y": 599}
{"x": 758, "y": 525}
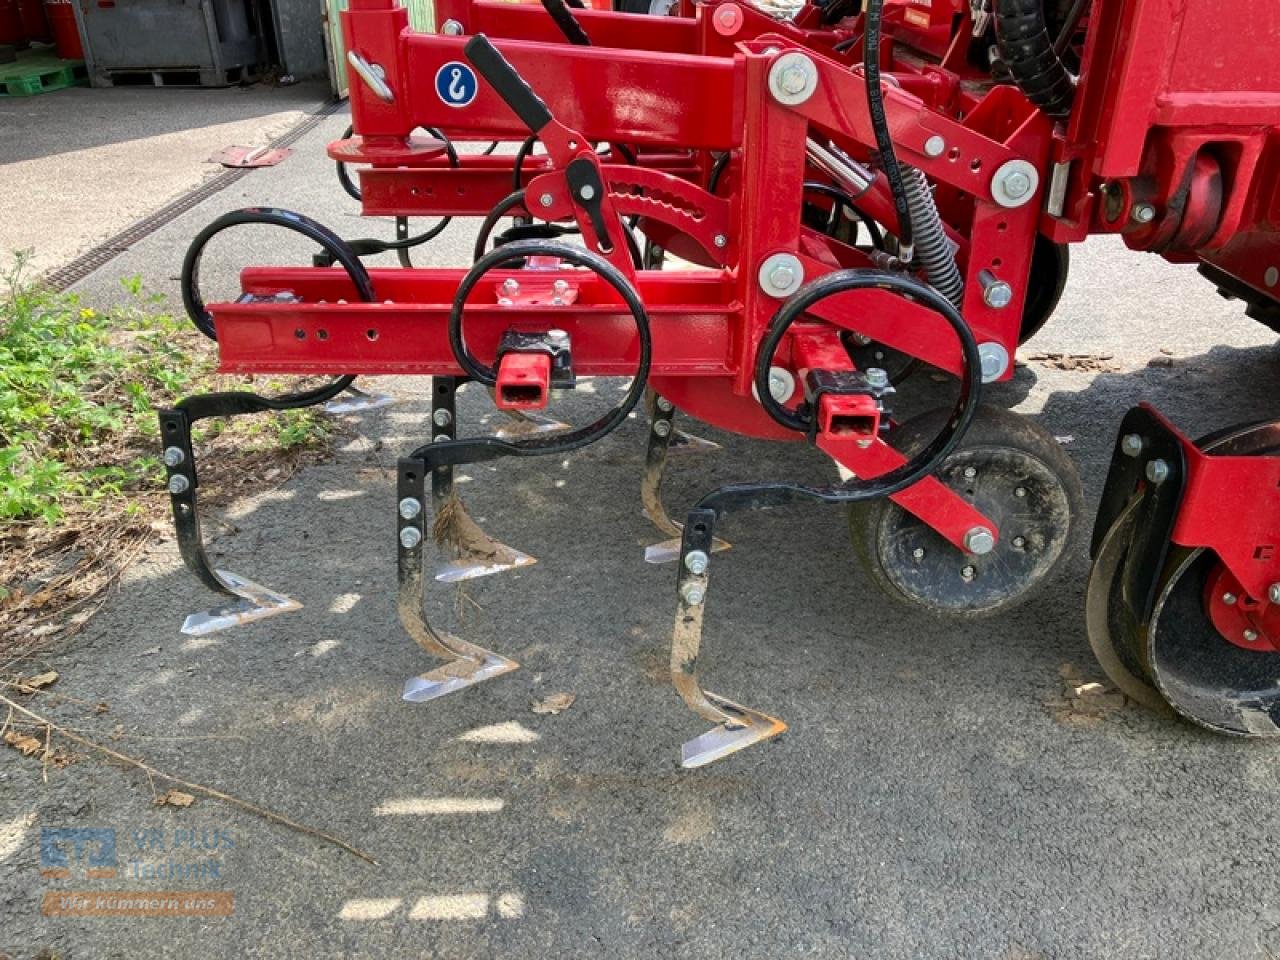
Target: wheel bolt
{"x": 968, "y": 571}
{"x": 1019, "y": 542}
{"x": 970, "y": 472}
{"x": 979, "y": 541}
{"x": 1019, "y": 492}
{"x": 917, "y": 553}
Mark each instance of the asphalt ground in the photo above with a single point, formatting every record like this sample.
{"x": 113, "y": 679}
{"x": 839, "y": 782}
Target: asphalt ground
{"x": 934, "y": 796}
{"x": 78, "y": 165}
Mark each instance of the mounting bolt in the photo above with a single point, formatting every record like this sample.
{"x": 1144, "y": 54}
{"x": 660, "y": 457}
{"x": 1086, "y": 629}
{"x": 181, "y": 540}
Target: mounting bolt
{"x": 979, "y": 541}
{"x": 1014, "y": 183}
{"x": 1157, "y": 471}
{"x": 587, "y": 191}
{"x": 793, "y": 78}
{"x": 1131, "y": 444}
{"x": 1272, "y": 276}
{"x": 173, "y": 456}
{"x": 780, "y": 275}
{"x": 1273, "y": 593}
{"x": 1143, "y": 213}
{"x": 696, "y": 562}
{"x": 1228, "y": 598}
{"x": 451, "y": 28}
{"x": 545, "y": 199}
{"x": 442, "y": 418}
{"x": 662, "y": 427}
{"x": 781, "y": 384}
{"x": 511, "y": 285}
{"x": 1250, "y": 636}
{"x": 178, "y": 483}
{"x": 996, "y": 293}
{"x": 935, "y": 146}
{"x": 410, "y": 507}
{"x": 665, "y": 405}
{"x": 720, "y": 240}
{"x": 560, "y": 286}
{"x": 410, "y": 537}
{"x": 558, "y": 338}
{"x": 876, "y": 377}
{"x": 692, "y": 593}
{"x": 995, "y": 360}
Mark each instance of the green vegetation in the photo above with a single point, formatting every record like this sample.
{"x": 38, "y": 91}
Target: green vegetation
{"x": 78, "y": 389}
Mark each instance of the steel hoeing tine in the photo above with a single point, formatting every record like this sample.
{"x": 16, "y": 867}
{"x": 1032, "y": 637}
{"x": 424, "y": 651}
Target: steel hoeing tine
{"x": 250, "y": 600}
{"x": 469, "y": 552}
{"x": 659, "y": 447}
{"x": 355, "y": 400}
{"x": 736, "y": 726}
{"x": 465, "y": 663}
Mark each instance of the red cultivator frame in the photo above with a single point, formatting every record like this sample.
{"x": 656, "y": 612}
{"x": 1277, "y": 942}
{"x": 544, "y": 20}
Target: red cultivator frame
{"x": 857, "y": 193}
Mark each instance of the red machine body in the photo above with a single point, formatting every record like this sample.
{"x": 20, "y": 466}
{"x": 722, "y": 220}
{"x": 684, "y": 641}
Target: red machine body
{"x": 742, "y": 143}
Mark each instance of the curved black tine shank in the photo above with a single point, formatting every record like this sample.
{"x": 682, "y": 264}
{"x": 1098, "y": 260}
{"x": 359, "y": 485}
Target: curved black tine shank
{"x": 251, "y": 601}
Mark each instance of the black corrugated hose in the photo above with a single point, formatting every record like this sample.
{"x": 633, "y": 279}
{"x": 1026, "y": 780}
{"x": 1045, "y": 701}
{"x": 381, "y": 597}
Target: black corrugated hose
{"x": 1027, "y": 50}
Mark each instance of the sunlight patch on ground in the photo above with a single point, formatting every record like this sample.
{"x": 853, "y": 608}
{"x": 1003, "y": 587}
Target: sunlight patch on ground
{"x": 435, "y": 806}
{"x": 377, "y": 908}
{"x": 510, "y": 732}
{"x": 13, "y": 832}
{"x": 339, "y": 494}
{"x": 323, "y": 647}
{"x": 343, "y": 602}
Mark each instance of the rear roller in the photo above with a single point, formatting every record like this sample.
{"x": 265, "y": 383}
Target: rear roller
{"x": 1013, "y": 471}
{"x": 1207, "y": 650}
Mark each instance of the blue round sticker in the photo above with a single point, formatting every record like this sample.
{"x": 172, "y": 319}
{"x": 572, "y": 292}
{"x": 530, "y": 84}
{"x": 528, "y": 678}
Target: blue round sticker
{"x": 456, "y": 84}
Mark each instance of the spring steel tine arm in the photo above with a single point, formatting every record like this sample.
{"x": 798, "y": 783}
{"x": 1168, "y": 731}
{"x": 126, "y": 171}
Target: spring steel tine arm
{"x": 178, "y": 454}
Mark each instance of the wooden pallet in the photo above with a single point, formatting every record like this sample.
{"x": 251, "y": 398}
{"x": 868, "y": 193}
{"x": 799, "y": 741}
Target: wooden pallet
{"x": 40, "y": 73}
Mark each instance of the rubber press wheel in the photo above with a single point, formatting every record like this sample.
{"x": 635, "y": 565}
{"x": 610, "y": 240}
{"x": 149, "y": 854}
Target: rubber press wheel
{"x": 1011, "y": 469}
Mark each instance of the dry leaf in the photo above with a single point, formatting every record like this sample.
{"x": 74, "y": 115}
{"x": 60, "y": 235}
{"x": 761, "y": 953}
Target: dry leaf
{"x": 38, "y": 682}
{"x": 554, "y": 703}
{"x": 174, "y": 798}
{"x": 21, "y": 742}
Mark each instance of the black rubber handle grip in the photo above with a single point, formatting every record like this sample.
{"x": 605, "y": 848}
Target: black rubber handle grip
{"x": 511, "y": 87}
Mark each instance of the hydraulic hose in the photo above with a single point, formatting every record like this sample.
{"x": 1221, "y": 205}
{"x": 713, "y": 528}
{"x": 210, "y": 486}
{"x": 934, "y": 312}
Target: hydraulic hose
{"x": 1027, "y": 50}
{"x": 933, "y": 250}
{"x": 880, "y": 123}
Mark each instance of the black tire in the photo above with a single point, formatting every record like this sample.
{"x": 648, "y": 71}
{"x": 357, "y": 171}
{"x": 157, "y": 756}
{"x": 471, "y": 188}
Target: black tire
{"x": 1009, "y": 452}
